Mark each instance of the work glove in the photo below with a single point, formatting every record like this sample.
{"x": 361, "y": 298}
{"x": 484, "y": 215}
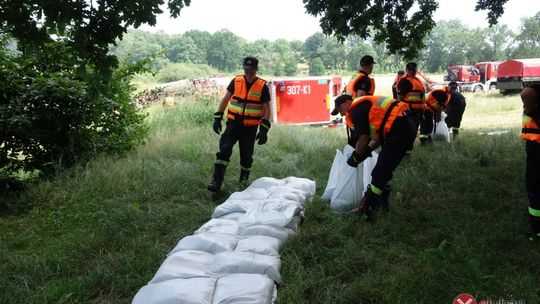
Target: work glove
{"x": 262, "y": 136}
{"x": 356, "y": 158}
{"x": 218, "y": 116}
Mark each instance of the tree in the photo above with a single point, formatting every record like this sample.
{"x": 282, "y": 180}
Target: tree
{"x": 225, "y": 51}
{"x": 316, "y": 67}
{"x": 401, "y": 24}
{"x": 88, "y": 27}
{"x": 528, "y": 40}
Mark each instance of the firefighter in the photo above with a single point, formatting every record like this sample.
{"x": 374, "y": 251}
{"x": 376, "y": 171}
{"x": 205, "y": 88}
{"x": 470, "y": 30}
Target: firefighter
{"x": 400, "y": 74}
{"x": 377, "y": 121}
{"x": 455, "y": 109}
{"x": 530, "y": 96}
{"x": 436, "y": 101}
{"x": 362, "y": 84}
{"x": 247, "y": 97}
{"x": 410, "y": 90}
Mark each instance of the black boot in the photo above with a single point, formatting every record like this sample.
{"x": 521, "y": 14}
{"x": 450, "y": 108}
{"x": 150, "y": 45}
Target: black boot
{"x": 217, "y": 179}
{"x": 455, "y": 133}
{"x": 534, "y": 228}
{"x": 369, "y": 205}
{"x": 385, "y": 203}
{"x": 244, "y": 176}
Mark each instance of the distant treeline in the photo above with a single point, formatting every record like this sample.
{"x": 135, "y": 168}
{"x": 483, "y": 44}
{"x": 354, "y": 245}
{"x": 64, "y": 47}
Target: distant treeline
{"x": 197, "y": 53}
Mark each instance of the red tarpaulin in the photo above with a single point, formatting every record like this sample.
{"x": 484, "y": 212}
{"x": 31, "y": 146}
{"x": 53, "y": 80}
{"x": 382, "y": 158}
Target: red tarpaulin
{"x": 520, "y": 68}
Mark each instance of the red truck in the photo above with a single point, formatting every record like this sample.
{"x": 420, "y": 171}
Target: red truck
{"x": 474, "y": 78}
{"x": 515, "y": 74}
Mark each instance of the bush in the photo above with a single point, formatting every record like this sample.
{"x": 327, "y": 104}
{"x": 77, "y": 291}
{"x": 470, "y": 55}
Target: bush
{"x": 52, "y": 114}
{"x": 176, "y": 71}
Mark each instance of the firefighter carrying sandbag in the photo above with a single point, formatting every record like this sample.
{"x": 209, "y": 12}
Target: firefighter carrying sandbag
{"x": 377, "y": 121}
{"x": 248, "y": 108}
{"x": 436, "y": 101}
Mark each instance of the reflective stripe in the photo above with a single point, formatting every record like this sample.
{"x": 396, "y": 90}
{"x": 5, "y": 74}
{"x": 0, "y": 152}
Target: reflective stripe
{"x": 414, "y": 96}
{"x": 424, "y": 136}
{"x": 384, "y": 101}
{"x": 221, "y": 162}
{"x": 534, "y": 212}
{"x": 375, "y": 190}
{"x": 526, "y": 118}
{"x": 245, "y": 169}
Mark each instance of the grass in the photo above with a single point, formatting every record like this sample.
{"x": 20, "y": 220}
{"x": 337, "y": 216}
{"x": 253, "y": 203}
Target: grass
{"x": 97, "y": 233}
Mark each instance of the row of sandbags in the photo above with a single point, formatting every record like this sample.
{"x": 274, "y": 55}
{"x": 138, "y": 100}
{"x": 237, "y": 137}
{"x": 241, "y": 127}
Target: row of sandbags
{"x": 234, "y": 257}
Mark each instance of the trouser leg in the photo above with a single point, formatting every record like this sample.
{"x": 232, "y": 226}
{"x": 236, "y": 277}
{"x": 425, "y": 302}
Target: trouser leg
{"x": 416, "y": 117}
{"x": 246, "y": 142}
{"x": 532, "y": 182}
{"x": 426, "y": 127}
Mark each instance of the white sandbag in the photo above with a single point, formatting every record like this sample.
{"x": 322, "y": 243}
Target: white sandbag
{"x": 246, "y": 262}
{"x": 304, "y": 184}
{"x": 250, "y": 194}
{"x": 232, "y": 216}
{"x": 259, "y": 244}
{"x": 280, "y": 233}
{"x": 245, "y": 289}
{"x": 207, "y": 242}
{"x": 288, "y": 193}
{"x": 184, "y": 264}
{"x": 266, "y": 183}
{"x": 279, "y": 213}
{"x": 367, "y": 168}
{"x": 350, "y": 187}
{"x": 185, "y": 291}
{"x": 234, "y": 205}
{"x": 219, "y": 226}
{"x": 294, "y": 224}
{"x": 440, "y": 131}
{"x": 333, "y": 177}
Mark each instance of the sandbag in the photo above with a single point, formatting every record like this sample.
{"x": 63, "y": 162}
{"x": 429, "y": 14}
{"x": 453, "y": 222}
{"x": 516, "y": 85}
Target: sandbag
{"x": 184, "y": 264}
{"x": 231, "y": 216}
{"x": 280, "y": 233}
{"x": 349, "y": 189}
{"x": 219, "y": 226}
{"x": 333, "y": 176}
{"x": 287, "y": 193}
{"x": 244, "y": 289}
{"x": 440, "y": 131}
{"x": 266, "y": 183}
{"x": 259, "y": 244}
{"x": 185, "y": 291}
{"x": 250, "y": 194}
{"x": 207, "y": 242}
{"x": 234, "y": 205}
{"x": 306, "y": 185}
{"x": 274, "y": 212}
{"x": 247, "y": 262}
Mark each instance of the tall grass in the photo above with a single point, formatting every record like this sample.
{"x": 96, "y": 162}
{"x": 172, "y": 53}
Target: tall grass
{"x": 98, "y": 232}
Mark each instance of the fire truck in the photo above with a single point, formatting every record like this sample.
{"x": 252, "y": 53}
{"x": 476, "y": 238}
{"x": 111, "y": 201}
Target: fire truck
{"x": 515, "y": 74}
{"x": 474, "y": 78}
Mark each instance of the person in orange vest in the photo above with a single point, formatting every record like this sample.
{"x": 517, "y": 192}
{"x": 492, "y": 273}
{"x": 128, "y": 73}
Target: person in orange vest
{"x": 377, "y": 121}
{"x": 362, "y": 84}
{"x": 247, "y": 103}
{"x": 436, "y": 101}
{"x": 410, "y": 89}
{"x": 530, "y": 132}
{"x": 399, "y": 74}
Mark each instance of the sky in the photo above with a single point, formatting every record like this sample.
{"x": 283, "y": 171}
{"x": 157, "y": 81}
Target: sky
{"x": 287, "y": 19}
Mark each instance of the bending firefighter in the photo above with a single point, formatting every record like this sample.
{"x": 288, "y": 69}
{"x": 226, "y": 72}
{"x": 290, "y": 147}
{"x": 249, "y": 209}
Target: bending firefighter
{"x": 377, "y": 121}
{"x": 436, "y": 101}
{"x": 247, "y": 98}
{"x": 531, "y": 134}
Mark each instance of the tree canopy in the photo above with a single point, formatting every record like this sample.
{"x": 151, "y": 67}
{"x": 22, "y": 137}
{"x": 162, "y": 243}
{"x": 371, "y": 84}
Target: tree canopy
{"x": 401, "y": 24}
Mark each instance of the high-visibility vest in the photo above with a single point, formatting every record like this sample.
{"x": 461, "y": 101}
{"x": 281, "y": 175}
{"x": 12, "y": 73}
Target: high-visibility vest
{"x": 530, "y": 130}
{"x": 246, "y": 105}
{"x": 415, "y": 97}
{"x": 382, "y": 114}
{"x": 350, "y": 86}
{"x": 432, "y": 103}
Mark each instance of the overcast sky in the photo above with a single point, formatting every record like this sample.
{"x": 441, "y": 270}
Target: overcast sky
{"x": 256, "y": 19}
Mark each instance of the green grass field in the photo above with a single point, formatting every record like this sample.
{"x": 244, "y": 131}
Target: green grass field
{"x": 97, "y": 233}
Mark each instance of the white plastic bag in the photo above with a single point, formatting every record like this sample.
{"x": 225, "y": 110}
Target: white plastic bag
{"x": 440, "y": 131}
{"x": 349, "y": 189}
{"x": 306, "y": 185}
{"x": 278, "y": 213}
{"x": 250, "y": 194}
{"x": 280, "y": 233}
{"x": 219, "y": 226}
{"x": 185, "y": 291}
{"x": 184, "y": 264}
{"x": 247, "y": 262}
{"x": 333, "y": 177}
{"x": 245, "y": 289}
{"x": 234, "y": 205}
{"x": 266, "y": 183}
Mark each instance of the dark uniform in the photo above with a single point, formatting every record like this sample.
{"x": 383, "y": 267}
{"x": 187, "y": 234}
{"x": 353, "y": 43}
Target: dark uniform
{"x": 436, "y": 100}
{"x": 454, "y": 111}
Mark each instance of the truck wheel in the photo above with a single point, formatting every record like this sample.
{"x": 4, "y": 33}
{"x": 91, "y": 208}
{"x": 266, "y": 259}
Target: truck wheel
{"x": 452, "y": 77}
{"x": 477, "y": 88}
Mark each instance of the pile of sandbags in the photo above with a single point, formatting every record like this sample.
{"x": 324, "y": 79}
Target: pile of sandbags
{"x": 234, "y": 257}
